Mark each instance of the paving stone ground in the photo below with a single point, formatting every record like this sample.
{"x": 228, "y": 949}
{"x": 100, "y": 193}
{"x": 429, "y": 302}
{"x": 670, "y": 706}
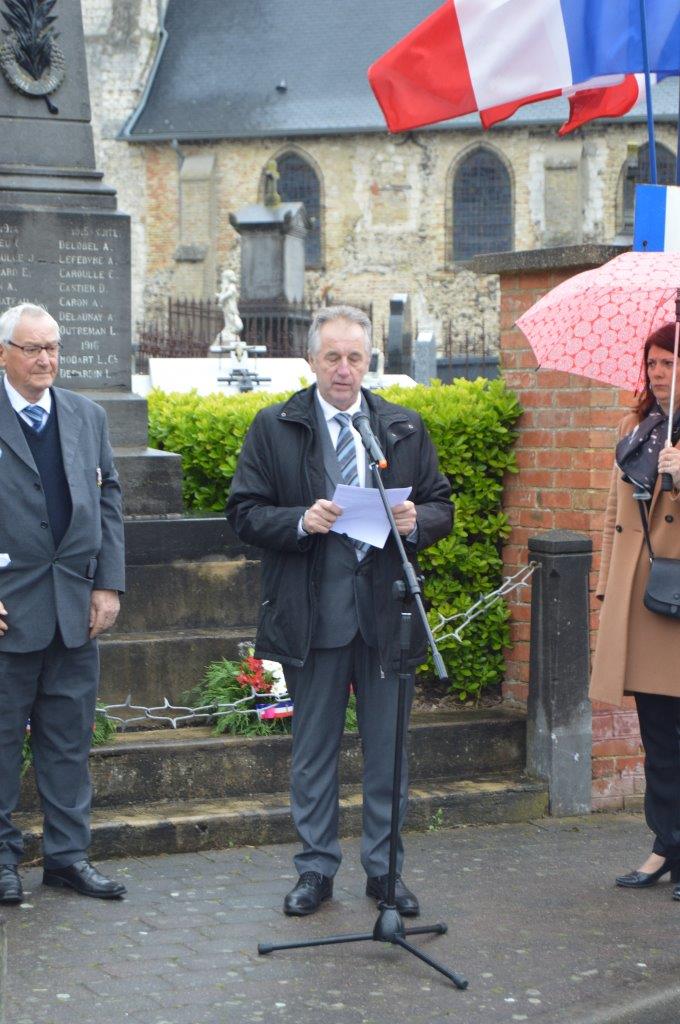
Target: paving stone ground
{"x": 534, "y": 922}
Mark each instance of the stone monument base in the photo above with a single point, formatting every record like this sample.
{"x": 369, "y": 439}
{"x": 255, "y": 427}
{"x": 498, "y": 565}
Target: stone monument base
{"x": 151, "y": 479}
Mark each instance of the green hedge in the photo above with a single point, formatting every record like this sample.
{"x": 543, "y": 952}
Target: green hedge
{"x": 471, "y": 424}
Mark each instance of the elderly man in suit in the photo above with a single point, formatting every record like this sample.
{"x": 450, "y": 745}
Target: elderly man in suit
{"x": 61, "y": 571}
{"x": 327, "y": 611}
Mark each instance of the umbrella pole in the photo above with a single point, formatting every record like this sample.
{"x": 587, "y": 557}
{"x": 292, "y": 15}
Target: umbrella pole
{"x": 666, "y": 478}
{"x": 677, "y": 148}
{"x": 648, "y": 94}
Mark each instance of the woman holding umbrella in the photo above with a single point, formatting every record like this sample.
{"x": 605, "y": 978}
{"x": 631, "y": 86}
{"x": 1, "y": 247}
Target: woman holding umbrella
{"x": 638, "y": 651}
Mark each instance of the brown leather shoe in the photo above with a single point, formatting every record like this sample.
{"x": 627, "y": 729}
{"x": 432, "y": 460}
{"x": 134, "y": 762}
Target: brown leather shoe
{"x": 10, "y": 884}
{"x": 306, "y": 897}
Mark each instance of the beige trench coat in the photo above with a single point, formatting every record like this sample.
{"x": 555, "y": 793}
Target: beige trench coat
{"x": 637, "y": 650}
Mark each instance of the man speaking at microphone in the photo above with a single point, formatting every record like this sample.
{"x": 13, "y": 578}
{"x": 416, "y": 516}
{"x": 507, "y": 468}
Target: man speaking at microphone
{"x": 327, "y": 611}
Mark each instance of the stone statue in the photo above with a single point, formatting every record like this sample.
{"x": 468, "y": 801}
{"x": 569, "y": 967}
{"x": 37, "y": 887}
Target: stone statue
{"x": 227, "y": 295}
{"x": 271, "y": 178}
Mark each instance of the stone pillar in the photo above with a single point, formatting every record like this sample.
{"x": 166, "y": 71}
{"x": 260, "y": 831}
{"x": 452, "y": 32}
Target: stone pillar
{"x": 272, "y": 251}
{"x": 559, "y": 714}
{"x": 425, "y": 358}
{"x": 399, "y": 355}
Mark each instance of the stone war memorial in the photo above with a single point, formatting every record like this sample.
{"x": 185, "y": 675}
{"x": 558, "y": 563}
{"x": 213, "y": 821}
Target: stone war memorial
{"x": 65, "y": 245}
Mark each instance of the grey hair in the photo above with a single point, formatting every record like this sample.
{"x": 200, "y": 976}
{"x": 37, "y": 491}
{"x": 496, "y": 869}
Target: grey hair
{"x": 11, "y": 317}
{"x": 328, "y": 313}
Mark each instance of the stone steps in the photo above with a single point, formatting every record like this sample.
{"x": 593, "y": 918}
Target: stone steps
{"x": 192, "y": 595}
{"x": 211, "y": 593}
{"x": 164, "y": 663}
{"x": 143, "y": 767}
{"x": 187, "y": 790}
{"x": 193, "y": 592}
{"x": 193, "y": 825}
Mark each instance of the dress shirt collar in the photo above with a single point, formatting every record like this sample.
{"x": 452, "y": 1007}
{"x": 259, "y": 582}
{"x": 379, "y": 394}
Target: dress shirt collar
{"x": 330, "y": 411}
{"x": 18, "y": 402}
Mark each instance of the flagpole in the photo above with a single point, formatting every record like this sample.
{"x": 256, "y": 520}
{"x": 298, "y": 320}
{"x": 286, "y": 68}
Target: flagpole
{"x": 648, "y": 91}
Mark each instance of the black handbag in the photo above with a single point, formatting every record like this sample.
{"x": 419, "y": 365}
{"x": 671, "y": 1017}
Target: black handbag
{"x": 662, "y": 593}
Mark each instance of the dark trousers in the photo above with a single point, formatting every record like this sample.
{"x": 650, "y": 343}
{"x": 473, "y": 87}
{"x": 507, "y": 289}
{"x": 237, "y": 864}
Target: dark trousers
{"x": 56, "y": 688}
{"x": 320, "y": 690}
{"x": 660, "y": 730}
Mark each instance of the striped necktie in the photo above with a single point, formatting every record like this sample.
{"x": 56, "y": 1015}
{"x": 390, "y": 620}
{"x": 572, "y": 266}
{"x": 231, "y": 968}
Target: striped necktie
{"x": 346, "y": 454}
{"x": 36, "y": 416}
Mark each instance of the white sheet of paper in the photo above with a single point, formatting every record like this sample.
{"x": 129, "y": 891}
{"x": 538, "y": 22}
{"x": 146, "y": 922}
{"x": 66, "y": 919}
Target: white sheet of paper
{"x": 5, "y": 560}
{"x": 363, "y": 516}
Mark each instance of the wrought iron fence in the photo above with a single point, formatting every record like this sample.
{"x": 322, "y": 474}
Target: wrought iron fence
{"x": 282, "y": 328}
{"x": 199, "y": 319}
{"x": 187, "y": 328}
{"x": 154, "y": 340}
{"x": 467, "y": 354}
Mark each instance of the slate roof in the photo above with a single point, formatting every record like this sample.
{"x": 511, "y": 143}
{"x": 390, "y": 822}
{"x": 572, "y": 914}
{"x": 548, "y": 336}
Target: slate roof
{"x": 220, "y": 62}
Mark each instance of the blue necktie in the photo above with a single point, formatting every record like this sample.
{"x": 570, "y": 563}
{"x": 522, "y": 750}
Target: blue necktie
{"x": 346, "y": 455}
{"x": 36, "y": 415}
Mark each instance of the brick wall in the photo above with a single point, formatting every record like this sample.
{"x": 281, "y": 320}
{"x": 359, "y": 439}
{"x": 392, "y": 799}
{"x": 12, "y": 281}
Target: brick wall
{"x": 564, "y": 452}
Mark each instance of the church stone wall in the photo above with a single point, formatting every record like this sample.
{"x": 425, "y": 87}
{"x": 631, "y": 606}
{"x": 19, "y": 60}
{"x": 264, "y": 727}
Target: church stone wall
{"x": 386, "y": 201}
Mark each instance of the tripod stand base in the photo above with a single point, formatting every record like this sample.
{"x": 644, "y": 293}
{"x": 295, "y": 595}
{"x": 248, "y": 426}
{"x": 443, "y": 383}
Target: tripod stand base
{"x": 389, "y": 927}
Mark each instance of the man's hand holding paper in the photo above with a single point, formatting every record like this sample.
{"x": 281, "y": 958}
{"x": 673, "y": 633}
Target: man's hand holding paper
{"x": 363, "y": 515}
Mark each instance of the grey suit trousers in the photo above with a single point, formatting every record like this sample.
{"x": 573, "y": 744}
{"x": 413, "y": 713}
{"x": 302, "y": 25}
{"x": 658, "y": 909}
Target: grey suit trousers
{"x": 320, "y": 691}
{"x": 56, "y": 688}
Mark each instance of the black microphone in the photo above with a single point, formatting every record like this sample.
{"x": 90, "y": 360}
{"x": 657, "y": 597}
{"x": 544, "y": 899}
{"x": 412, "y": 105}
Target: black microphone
{"x": 362, "y": 425}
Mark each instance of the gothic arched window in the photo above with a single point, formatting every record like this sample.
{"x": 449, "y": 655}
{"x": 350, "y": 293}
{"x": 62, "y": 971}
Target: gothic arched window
{"x": 482, "y": 206}
{"x": 635, "y": 171}
{"x": 299, "y": 183}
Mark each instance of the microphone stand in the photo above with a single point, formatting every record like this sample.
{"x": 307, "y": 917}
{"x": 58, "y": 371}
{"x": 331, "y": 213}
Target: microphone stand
{"x": 389, "y": 926}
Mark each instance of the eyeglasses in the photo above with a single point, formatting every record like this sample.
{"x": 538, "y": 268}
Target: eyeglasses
{"x": 52, "y": 348}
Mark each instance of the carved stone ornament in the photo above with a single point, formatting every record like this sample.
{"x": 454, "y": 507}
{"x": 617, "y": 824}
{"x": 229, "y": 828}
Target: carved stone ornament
{"x": 29, "y": 56}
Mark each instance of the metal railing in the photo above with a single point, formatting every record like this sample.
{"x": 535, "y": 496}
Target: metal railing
{"x": 467, "y": 354}
{"x": 186, "y": 328}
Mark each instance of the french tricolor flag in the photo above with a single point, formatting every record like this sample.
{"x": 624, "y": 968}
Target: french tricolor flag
{"x": 657, "y": 218}
{"x": 476, "y": 55}
{"x": 611, "y": 96}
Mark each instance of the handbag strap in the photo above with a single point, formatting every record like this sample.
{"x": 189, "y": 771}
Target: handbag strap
{"x": 645, "y": 526}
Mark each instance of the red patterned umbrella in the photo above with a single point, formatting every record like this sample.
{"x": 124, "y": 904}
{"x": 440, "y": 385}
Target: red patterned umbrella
{"x": 595, "y": 324}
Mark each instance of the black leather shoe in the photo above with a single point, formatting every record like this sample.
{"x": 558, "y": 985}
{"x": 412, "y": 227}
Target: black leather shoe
{"x": 10, "y": 884}
{"x": 311, "y": 890}
{"x": 643, "y": 879}
{"x": 406, "y": 901}
{"x": 85, "y": 879}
